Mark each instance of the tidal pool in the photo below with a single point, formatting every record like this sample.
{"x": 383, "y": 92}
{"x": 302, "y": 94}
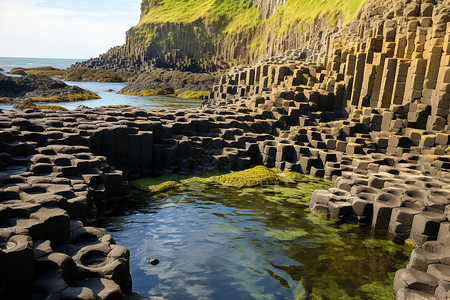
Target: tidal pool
{"x": 253, "y": 243}
{"x": 108, "y": 93}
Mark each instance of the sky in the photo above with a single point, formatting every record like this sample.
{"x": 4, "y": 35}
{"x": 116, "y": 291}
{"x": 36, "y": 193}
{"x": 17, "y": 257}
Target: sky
{"x": 78, "y": 29}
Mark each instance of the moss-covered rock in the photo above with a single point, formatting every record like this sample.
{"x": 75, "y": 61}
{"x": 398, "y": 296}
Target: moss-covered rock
{"x": 255, "y": 177}
{"x": 149, "y": 92}
{"x": 48, "y": 71}
{"x": 40, "y": 107}
{"x": 196, "y": 95}
{"x": 169, "y": 82}
{"x": 162, "y": 187}
{"x": 17, "y": 72}
{"x": 88, "y": 95}
{"x": 41, "y": 88}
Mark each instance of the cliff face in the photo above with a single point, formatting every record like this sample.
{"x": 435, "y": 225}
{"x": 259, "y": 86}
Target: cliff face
{"x": 206, "y": 35}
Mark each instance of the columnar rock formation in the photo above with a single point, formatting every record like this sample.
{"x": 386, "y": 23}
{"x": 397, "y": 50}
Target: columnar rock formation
{"x": 225, "y": 35}
{"x": 373, "y": 116}
{"x": 371, "y": 112}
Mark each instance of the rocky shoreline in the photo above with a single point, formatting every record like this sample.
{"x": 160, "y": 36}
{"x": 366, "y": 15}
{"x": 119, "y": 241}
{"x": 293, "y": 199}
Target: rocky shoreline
{"x": 372, "y": 115}
{"x": 40, "y": 88}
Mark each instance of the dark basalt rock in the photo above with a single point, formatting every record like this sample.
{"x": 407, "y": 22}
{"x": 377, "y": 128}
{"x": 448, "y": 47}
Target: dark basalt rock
{"x": 171, "y": 80}
{"x": 153, "y": 261}
{"x": 34, "y": 86}
{"x": 373, "y": 117}
{"x": 96, "y": 75}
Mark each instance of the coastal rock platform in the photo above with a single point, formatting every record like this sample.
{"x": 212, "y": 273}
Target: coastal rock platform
{"x": 40, "y": 88}
{"x": 372, "y": 115}
{"x": 61, "y": 169}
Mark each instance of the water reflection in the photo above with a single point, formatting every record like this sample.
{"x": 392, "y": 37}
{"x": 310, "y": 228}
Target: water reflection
{"x": 227, "y": 244}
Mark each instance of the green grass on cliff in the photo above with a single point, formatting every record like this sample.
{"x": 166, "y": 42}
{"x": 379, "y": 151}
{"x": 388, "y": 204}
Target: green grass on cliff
{"x": 235, "y": 16}
{"x": 303, "y": 12}
{"x": 188, "y": 11}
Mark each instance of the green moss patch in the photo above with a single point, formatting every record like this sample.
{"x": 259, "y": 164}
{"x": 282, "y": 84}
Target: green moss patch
{"x": 258, "y": 176}
{"x": 17, "y": 72}
{"x": 149, "y": 92}
{"x": 195, "y": 95}
{"x": 41, "y": 107}
{"x": 66, "y": 98}
{"x": 287, "y": 235}
{"x": 162, "y": 187}
{"x": 148, "y": 183}
{"x": 47, "y": 71}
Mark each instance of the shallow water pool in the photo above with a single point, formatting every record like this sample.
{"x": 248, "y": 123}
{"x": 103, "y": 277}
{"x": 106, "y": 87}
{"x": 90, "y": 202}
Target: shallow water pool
{"x": 254, "y": 243}
{"x": 108, "y": 93}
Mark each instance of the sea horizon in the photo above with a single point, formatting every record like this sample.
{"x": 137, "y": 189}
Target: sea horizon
{"x": 7, "y": 63}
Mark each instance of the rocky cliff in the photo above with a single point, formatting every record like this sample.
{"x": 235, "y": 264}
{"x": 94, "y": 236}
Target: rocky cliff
{"x": 206, "y": 35}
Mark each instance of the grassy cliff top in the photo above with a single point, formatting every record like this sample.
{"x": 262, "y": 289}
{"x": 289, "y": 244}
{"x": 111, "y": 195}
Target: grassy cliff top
{"x": 188, "y": 11}
{"x": 237, "y": 15}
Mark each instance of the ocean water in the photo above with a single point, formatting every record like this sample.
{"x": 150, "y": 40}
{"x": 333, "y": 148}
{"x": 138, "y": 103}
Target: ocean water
{"x": 9, "y": 63}
{"x": 107, "y": 91}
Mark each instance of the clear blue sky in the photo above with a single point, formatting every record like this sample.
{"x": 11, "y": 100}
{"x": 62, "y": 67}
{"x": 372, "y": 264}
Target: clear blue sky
{"x": 64, "y": 28}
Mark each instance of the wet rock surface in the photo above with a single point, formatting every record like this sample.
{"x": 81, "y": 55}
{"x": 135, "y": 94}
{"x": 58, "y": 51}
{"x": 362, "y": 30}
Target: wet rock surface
{"x": 81, "y": 74}
{"x": 372, "y": 115}
{"x": 27, "y": 86}
{"x": 171, "y": 80}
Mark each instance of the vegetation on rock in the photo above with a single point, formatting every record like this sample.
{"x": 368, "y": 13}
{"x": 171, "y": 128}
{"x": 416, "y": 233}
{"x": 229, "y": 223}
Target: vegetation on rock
{"x": 48, "y": 71}
{"x": 303, "y": 12}
{"x": 193, "y": 95}
{"x": 150, "y": 92}
{"x": 237, "y": 18}
{"x": 88, "y": 95}
{"x": 40, "y": 88}
{"x": 24, "y": 106}
{"x": 256, "y": 176}
{"x": 17, "y": 72}
{"x": 168, "y": 82}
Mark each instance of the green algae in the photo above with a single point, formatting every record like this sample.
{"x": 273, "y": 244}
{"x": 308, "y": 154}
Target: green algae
{"x": 287, "y": 235}
{"x": 254, "y": 177}
{"x": 162, "y": 187}
{"x": 24, "y": 106}
{"x": 196, "y": 95}
{"x": 149, "y": 92}
{"x": 146, "y": 184}
{"x": 87, "y": 95}
{"x": 388, "y": 245}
